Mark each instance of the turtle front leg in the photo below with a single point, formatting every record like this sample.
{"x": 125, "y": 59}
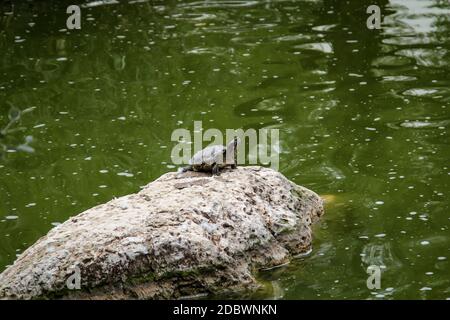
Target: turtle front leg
{"x": 234, "y": 165}
{"x": 215, "y": 170}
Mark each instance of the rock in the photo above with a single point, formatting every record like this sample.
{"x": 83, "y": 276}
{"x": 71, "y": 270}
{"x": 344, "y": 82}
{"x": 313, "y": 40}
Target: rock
{"x": 181, "y": 235}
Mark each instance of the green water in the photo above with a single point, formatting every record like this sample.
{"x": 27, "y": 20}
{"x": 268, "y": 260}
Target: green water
{"x": 363, "y": 118}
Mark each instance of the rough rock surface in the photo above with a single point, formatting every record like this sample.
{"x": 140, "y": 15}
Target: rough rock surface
{"x": 183, "y": 234}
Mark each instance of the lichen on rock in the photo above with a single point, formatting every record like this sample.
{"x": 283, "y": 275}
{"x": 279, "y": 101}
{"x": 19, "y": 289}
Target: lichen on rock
{"x": 181, "y": 235}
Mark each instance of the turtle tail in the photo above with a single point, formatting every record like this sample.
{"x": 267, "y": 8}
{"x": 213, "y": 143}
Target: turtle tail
{"x": 188, "y": 168}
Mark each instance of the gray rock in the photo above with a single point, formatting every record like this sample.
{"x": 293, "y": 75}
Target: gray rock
{"x": 182, "y": 235}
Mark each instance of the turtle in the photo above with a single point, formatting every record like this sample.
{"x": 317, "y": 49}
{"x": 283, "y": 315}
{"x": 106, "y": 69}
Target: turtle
{"x": 213, "y": 158}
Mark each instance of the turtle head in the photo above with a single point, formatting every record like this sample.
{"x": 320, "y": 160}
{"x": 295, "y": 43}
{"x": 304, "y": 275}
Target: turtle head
{"x": 232, "y": 145}
{"x": 231, "y": 152}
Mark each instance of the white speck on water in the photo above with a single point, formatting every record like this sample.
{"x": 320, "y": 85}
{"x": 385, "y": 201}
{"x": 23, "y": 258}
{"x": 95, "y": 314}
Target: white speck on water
{"x": 61, "y": 59}
{"x": 425, "y": 243}
{"x": 413, "y": 213}
{"x": 30, "y": 205}
{"x": 379, "y": 202}
{"x": 429, "y": 273}
{"x": 442, "y": 258}
{"x": 425, "y": 289}
{"x": 103, "y": 186}
{"x": 389, "y": 289}
{"x": 381, "y": 235}
{"x": 103, "y": 171}
{"x": 125, "y": 174}
{"x": 122, "y": 118}
{"x": 380, "y": 295}
{"x": 419, "y": 92}
{"x": 39, "y": 125}
{"x": 55, "y": 224}
{"x": 11, "y": 217}
{"x": 88, "y": 158}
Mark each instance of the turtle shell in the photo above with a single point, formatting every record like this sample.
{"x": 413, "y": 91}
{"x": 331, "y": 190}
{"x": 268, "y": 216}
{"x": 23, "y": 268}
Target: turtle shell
{"x": 204, "y": 159}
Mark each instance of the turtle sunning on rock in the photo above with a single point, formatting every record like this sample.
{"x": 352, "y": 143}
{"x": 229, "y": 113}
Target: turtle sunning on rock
{"x": 214, "y": 158}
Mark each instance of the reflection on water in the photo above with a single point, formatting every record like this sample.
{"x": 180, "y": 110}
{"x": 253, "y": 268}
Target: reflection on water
{"x": 363, "y": 118}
